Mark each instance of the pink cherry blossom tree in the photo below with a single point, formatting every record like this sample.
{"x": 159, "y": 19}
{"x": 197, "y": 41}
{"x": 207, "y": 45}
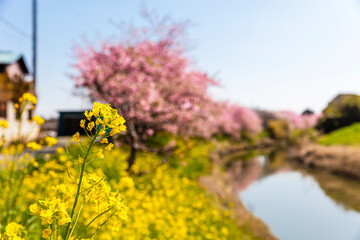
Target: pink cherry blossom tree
{"x": 303, "y": 121}
{"x": 249, "y": 120}
{"x": 233, "y": 120}
{"x": 151, "y": 82}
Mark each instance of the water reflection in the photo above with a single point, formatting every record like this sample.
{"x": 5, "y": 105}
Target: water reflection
{"x": 298, "y": 203}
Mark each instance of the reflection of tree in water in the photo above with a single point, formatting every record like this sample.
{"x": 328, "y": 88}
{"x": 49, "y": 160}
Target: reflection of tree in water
{"x": 244, "y": 171}
{"x": 342, "y": 190}
{"x": 242, "y": 174}
{"x": 246, "y": 167}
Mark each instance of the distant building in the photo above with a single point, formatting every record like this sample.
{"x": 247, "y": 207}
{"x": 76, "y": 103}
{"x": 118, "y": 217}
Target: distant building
{"x": 69, "y": 123}
{"x": 12, "y": 64}
{"x": 14, "y": 72}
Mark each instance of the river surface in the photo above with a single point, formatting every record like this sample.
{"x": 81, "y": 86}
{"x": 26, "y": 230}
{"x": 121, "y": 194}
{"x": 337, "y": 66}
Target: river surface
{"x": 298, "y": 203}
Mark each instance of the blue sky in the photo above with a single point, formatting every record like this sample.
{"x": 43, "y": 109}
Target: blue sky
{"x": 267, "y": 54}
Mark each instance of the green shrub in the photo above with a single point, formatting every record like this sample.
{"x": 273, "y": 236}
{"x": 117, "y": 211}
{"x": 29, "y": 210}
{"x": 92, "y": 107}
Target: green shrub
{"x": 279, "y": 129}
{"x": 342, "y": 111}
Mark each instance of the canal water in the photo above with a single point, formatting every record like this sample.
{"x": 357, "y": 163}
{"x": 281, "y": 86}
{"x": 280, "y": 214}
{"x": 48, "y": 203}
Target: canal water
{"x": 298, "y": 203}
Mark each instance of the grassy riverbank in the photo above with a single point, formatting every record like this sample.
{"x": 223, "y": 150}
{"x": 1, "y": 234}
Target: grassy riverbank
{"x": 349, "y": 135}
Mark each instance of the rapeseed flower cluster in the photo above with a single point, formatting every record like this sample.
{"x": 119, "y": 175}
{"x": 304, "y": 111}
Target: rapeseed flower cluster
{"x": 160, "y": 205}
{"x": 26, "y": 101}
{"x": 88, "y": 189}
{"x": 15, "y": 165}
{"x": 4, "y": 124}
{"x": 84, "y": 192}
{"x": 107, "y": 121}
{"x": 13, "y": 231}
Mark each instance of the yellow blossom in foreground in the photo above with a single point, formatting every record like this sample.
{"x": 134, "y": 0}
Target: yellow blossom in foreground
{"x": 88, "y": 115}
{"x": 60, "y": 150}
{"x": 39, "y": 120}
{"x": 76, "y": 137}
{"x": 104, "y": 140}
{"x": 29, "y": 98}
{"x": 121, "y": 128}
{"x": 51, "y": 141}
{"x": 34, "y": 146}
{"x": 64, "y": 221}
{"x": 13, "y": 229}
{"x": 109, "y": 147}
{"x": 100, "y": 154}
{"x": 107, "y": 119}
{"x": 46, "y": 233}
{"x": 34, "y": 209}
{"x": 82, "y": 123}
{"x": 4, "y": 124}
{"x": 90, "y": 126}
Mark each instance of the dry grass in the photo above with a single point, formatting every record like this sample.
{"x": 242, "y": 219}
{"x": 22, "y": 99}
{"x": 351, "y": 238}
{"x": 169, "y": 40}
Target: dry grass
{"x": 339, "y": 159}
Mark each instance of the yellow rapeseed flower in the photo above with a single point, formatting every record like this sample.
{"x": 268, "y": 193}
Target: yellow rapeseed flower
{"x": 109, "y": 147}
{"x": 46, "y": 233}
{"x": 51, "y": 141}
{"x": 34, "y": 146}
{"x": 76, "y": 137}
{"x": 90, "y": 126}
{"x": 82, "y": 123}
{"x": 100, "y": 154}
{"x": 88, "y": 115}
{"x": 46, "y": 216}
{"x": 34, "y": 209}
{"x": 39, "y": 120}
{"x": 107, "y": 119}
{"x": 29, "y": 98}
{"x": 4, "y": 124}
{"x": 60, "y": 150}
{"x": 64, "y": 221}
{"x": 13, "y": 229}
{"x": 104, "y": 140}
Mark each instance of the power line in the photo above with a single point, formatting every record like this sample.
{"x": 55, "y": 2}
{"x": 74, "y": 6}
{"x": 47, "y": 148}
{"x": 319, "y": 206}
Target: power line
{"x": 14, "y": 28}
{"x": 34, "y": 27}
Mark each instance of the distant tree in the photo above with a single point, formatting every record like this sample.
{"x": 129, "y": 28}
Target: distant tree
{"x": 342, "y": 111}
{"x": 249, "y": 120}
{"x": 296, "y": 121}
{"x": 233, "y": 120}
{"x": 307, "y": 112}
{"x": 152, "y": 83}
{"x": 223, "y": 120}
{"x": 279, "y": 128}
{"x": 13, "y": 88}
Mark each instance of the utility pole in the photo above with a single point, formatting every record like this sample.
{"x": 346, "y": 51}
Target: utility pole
{"x": 34, "y": 5}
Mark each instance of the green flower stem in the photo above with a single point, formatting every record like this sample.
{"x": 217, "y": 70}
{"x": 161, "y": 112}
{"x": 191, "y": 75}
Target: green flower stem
{"x": 77, "y": 218}
{"x": 88, "y": 225}
{"x": 79, "y": 186}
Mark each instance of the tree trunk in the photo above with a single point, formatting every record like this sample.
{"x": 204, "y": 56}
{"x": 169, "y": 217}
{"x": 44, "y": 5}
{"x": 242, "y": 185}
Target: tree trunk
{"x": 131, "y": 159}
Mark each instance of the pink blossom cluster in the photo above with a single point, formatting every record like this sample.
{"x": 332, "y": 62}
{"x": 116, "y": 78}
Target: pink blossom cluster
{"x": 297, "y": 121}
{"x": 150, "y": 84}
{"x": 249, "y": 119}
{"x": 234, "y": 119}
{"x": 156, "y": 88}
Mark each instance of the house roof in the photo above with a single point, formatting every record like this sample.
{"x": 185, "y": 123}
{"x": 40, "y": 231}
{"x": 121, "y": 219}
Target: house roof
{"x": 7, "y": 58}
